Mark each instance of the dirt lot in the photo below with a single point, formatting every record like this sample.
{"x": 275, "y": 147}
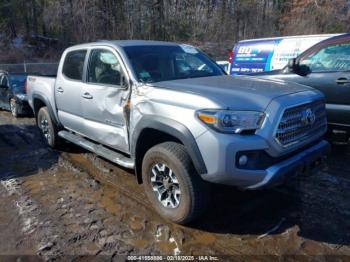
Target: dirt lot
{"x": 54, "y": 204}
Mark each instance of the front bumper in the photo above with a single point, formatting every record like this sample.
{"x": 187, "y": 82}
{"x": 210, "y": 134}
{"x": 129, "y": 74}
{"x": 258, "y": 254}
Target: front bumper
{"x": 219, "y": 154}
{"x": 299, "y": 163}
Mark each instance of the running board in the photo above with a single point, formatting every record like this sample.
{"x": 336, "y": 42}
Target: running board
{"x": 98, "y": 149}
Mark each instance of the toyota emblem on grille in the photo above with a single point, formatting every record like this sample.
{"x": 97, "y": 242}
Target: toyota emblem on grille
{"x": 309, "y": 117}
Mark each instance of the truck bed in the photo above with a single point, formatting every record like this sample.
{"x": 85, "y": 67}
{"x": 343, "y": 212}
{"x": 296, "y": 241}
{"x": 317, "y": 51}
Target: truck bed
{"x": 41, "y": 86}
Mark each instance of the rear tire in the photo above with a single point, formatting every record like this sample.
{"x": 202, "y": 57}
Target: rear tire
{"x": 14, "y": 108}
{"x": 48, "y": 129}
{"x": 172, "y": 184}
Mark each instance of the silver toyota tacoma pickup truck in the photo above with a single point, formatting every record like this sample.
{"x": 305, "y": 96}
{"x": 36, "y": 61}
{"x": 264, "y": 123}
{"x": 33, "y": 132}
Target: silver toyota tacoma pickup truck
{"x": 171, "y": 113}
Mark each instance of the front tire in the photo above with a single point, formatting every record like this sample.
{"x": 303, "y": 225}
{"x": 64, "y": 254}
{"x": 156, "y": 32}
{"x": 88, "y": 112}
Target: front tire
{"x": 172, "y": 184}
{"x": 48, "y": 128}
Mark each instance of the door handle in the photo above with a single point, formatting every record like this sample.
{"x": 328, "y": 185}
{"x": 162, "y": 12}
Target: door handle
{"x": 342, "y": 81}
{"x": 87, "y": 96}
{"x": 60, "y": 89}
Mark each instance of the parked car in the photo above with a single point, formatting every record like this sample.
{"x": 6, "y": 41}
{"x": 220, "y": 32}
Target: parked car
{"x": 326, "y": 67}
{"x": 266, "y": 54}
{"x": 13, "y": 95}
{"x": 146, "y": 105}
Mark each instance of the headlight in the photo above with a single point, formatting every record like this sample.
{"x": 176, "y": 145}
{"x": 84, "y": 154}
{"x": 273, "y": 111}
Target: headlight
{"x": 227, "y": 121}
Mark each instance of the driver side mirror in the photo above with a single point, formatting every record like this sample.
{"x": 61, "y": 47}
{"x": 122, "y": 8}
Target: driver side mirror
{"x": 303, "y": 70}
{"x": 294, "y": 67}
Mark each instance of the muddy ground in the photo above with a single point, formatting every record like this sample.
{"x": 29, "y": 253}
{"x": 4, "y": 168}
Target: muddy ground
{"x": 56, "y": 204}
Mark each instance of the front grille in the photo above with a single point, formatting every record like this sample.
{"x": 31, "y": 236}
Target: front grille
{"x": 301, "y": 122}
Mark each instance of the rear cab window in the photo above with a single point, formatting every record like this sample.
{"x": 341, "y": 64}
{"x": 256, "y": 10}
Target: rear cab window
{"x": 73, "y": 65}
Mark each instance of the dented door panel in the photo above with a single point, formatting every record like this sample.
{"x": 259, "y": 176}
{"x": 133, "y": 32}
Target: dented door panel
{"x": 104, "y": 99}
{"x": 104, "y": 115}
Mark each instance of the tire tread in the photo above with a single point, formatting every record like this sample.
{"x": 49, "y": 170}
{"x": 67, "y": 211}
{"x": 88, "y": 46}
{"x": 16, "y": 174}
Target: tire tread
{"x": 197, "y": 187}
{"x": 56, "y": 140}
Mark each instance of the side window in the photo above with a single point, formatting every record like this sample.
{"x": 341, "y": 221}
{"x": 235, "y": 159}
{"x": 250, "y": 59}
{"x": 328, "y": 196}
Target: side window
{"x": 104, "y": 68}
{"x": 329, "y": 59}
{"x": 74, "y": 65}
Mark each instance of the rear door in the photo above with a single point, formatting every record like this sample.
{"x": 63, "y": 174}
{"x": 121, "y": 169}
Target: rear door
{"x": 105, "y": 97}
{"x": 68, "y": 91}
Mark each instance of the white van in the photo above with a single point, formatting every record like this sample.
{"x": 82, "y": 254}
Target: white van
{"x": 266, "y": 54}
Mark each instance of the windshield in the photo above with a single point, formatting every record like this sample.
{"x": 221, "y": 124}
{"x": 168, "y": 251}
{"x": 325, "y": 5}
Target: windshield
{"x": 161, "y": 63}
{"x": 17, "y": 80}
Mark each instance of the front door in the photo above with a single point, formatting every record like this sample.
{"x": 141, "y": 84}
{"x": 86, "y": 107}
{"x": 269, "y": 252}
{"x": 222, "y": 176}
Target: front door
{"x": 105, "y": 97}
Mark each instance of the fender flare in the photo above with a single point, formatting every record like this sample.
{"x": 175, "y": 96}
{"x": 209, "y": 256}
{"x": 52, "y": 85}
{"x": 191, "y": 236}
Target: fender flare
{"x": 174, "y": 129}
{"x": 49, "y": 107}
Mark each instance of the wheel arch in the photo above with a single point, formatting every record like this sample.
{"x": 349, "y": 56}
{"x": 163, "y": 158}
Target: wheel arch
{"x": 151, "y": 131}
{"x": 40, "y": 101}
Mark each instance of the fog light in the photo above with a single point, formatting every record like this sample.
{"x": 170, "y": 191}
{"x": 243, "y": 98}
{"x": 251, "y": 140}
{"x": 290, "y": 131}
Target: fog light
{"x": 243, "y": 160}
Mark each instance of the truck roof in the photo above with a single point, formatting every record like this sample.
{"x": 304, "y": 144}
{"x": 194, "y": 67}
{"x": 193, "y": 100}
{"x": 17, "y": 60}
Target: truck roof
{"x": 125, "y": 43}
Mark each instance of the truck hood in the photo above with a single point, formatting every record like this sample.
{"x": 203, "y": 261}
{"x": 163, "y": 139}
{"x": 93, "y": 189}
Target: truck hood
{"x": 237, "y": 93}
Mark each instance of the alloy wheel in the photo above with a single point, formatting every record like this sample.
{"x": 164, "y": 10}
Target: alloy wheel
{"x": 165, "y": 185}
{"x": 45, "y": 128}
